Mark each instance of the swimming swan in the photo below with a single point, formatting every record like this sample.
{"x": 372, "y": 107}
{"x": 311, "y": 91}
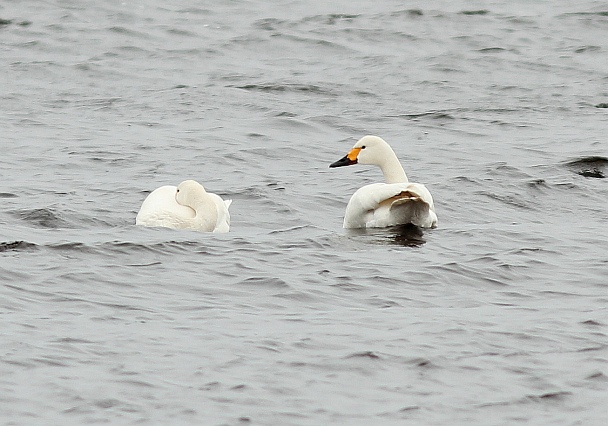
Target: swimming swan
{"x": 187, "y": 206}
{"x": 395, "y": 202}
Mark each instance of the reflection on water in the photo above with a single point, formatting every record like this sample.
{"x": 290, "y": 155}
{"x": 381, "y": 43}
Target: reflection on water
{"x": 407, "y": 235}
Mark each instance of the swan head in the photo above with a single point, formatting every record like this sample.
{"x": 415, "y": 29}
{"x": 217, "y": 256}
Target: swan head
{"x": 188, "y": 192}
{"x": 368, "y": 150}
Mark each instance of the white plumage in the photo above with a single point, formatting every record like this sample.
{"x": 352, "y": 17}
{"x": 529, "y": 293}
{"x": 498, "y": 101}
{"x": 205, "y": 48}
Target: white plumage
{"x": 395, "y": 202}
{"x": 187, "y": 206}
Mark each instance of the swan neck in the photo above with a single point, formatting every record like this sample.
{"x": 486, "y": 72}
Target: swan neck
{"x": 205, "y": 211}
{"x": 393, "y": 171}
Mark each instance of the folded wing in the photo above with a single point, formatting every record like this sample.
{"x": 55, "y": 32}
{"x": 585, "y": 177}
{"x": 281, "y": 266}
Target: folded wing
{"x": 382, "y": 204}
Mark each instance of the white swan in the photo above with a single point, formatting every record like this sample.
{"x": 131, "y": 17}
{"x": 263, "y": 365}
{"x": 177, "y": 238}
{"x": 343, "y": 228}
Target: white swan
{"x": 187, "y": 206}
{"x": 395, "y": 202}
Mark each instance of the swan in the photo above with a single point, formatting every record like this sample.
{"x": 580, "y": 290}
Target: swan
{"x": 187, "y": 206}
{"x": 395, "y": 202}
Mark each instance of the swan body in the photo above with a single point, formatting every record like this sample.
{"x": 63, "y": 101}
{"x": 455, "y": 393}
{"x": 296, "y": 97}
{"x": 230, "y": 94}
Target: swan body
{"x": 395, "y": 202}
{"x": 186, "y": 206}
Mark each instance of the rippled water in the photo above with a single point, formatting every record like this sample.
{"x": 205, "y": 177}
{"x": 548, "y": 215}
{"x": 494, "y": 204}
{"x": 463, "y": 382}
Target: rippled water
{"x": 497, "y": 317}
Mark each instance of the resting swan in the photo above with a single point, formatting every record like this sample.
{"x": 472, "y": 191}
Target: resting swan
{"x": 395, "y": 202}
{"x": 187, "y": 206}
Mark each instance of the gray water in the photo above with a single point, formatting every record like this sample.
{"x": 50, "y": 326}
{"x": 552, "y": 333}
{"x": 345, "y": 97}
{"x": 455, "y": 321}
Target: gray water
{"x": 497, "y": 317}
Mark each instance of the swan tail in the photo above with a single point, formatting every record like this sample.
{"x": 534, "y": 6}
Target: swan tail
{"x": 227, "y": 202}
{"x": 412, "y": 208}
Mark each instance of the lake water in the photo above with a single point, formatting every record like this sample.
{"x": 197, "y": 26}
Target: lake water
{"x": 497, "y": 317}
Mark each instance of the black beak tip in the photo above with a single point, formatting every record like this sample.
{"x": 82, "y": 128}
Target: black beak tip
{"x": 344, "y": 161}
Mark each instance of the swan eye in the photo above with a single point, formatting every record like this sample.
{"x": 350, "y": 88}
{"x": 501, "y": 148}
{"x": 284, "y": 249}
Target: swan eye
{"x": 363, "y": 147}
{"x": 178, "y": 190}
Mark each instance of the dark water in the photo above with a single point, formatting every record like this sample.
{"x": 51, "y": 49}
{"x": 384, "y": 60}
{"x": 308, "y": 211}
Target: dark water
{"x": 498, "y": 317}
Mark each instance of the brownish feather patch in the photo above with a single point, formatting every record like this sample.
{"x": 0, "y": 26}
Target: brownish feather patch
{"x": 403, "y": 195}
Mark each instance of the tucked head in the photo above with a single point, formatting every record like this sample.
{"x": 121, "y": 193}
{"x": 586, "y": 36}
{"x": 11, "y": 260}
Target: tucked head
{"x": 188, "y": 191}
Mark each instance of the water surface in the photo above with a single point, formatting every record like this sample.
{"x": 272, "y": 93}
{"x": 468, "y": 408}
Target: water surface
{"x": 496, "y": 317}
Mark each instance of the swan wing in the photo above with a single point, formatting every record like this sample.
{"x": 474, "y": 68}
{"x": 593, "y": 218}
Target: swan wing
{"x": 223, "y": 215}
{"x": 160, "y": 209}
{"x": 389, "y": 204}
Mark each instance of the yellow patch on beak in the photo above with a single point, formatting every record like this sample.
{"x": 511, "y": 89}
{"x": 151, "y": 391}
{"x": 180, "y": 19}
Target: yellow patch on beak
{"x": 352, "y": 155}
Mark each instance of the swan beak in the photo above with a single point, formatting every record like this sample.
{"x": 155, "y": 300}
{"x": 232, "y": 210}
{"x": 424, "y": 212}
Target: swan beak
{"x": 348, "y": 159}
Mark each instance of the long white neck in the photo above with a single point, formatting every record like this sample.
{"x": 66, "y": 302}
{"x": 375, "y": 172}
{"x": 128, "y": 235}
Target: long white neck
{"x": 392, "y": 170}
{"x": 206, "y": 212}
